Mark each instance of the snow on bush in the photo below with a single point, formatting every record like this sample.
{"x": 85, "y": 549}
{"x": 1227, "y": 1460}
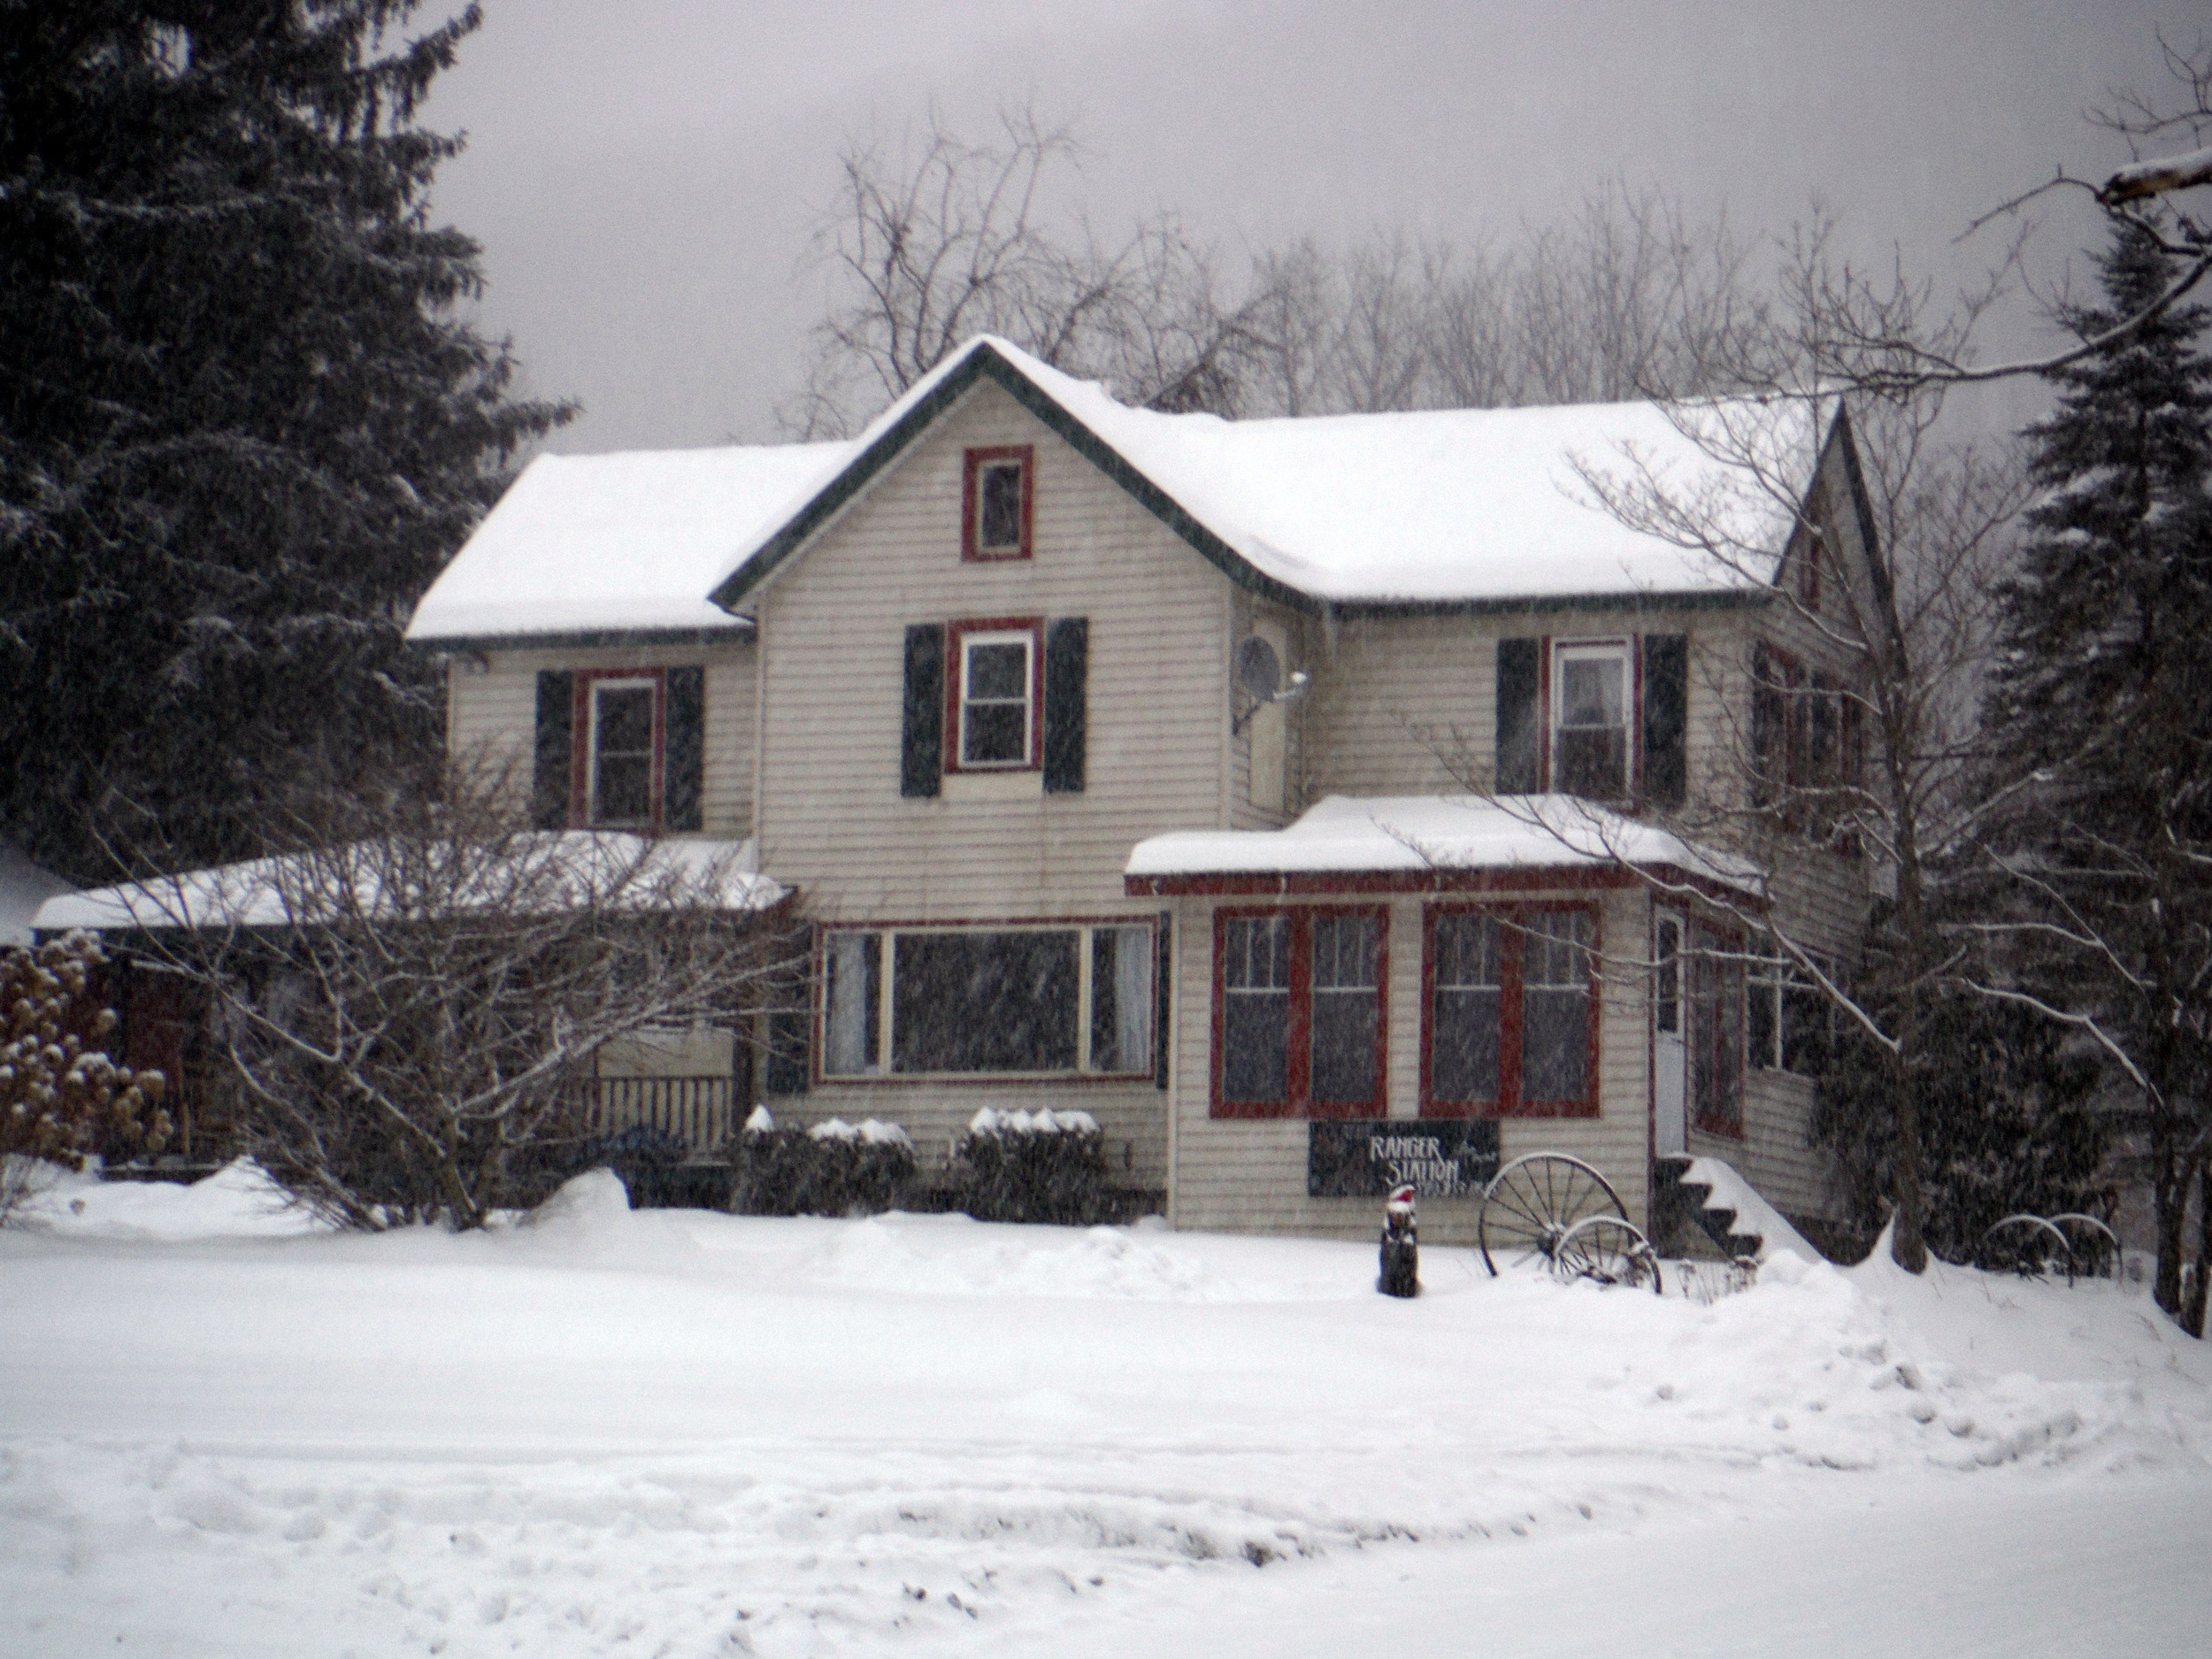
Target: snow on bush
{"x": 832, "y": 1169}
{"x": 1043, "y": 1166}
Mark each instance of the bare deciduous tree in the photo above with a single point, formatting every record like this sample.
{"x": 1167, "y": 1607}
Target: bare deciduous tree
{"x": 408, "y": 1001}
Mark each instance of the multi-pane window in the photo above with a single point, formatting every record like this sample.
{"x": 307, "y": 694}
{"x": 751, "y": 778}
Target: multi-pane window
{"x": 921, "y": 1001}
{"x": 622, "y": 748}
{"x": 1301, "y": 1013}
{"x": 1512, "y": 1011}
{"x": 995, "y": 699}
{"x": 997, "y": 504}
{"x": 1255, "y": 1010}
{"x": 1590, "y": 724}
{"x": 1717, "y": 1030}
{"x": 1789, "y": 1021}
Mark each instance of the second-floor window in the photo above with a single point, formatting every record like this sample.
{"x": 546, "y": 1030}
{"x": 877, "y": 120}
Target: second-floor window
{"x": 1590, "y": 725}
{"x": 624, "y": 749}
{"x": 997, "y": 687}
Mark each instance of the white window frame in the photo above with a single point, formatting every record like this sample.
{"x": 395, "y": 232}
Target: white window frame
{"x": 881, "y": 1044}
{"x": 1027, "y": 638}
{"x": 1622, "y": 651}
{"x": 598, "y": 687}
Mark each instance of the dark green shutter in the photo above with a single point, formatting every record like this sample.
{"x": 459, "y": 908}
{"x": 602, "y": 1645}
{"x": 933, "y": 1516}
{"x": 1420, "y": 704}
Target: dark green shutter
{"x": 1666, "y": 717}
{"x": 683, "y": 753}
{"x": 1067, "y": 670}
{"x": 1162, "y": 996}
{"x": 553, "y": 765}
{"x": 1519, "y": 770}
{"x": 1768, "y": 735}
{"x": 922, "y": 731}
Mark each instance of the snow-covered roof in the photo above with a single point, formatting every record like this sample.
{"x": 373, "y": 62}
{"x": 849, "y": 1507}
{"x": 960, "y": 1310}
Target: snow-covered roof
{"x": 1438, "y": 506}
{"x": 271, "y": 892}
{"x": 1426, "y": 835}
{"x": 610, "y": 544}
{"x": 24, "y": 887}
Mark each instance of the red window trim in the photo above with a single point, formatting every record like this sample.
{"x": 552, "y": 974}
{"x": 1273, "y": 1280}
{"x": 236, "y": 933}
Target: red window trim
{"x": 1714, "y": 938}
{"x": 581, "y": 729}
{"x": 1510, "y": 1006}
{"x": 955, "y": 633}
{"x": 1631, "y": 701}
{"x": 1297, "y": 1071}
{"x": 972, "y": 502}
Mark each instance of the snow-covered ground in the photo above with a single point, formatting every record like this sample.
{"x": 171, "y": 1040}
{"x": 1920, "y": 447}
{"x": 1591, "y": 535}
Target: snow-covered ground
{"x": 673, "y": 1433}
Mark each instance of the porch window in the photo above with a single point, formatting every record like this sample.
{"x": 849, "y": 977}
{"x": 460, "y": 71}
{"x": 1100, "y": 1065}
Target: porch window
{"x": 1300, "y": 1013}
{"x": 1512, "y": 1015}
{"x": 1717, "y": 1030}
{"x": 1789, "y": 1022}
{"x": 961, "y": 1002}
{"x": 1590, "y": 753}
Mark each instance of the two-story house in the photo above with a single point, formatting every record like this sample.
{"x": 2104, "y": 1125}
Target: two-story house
{"x": 971, "y": 685}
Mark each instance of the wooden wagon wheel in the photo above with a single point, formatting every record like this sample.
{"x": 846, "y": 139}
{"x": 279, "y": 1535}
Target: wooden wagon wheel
{"x": 2027, "y": 1245}
{"x": 1531, "y": 1204}
{"x": 1609, "y": 1250}
{"x": 2094, "y": 1247}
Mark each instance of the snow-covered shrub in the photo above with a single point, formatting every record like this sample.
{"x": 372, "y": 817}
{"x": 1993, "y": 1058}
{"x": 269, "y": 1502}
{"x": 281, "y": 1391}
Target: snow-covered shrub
{"x": 1043, "y": 1166}
{"x": 832, "y": 1169}
{"x": 60, "y": 1098}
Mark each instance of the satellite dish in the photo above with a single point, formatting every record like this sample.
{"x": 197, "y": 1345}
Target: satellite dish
{"x": 1257, "y": 670}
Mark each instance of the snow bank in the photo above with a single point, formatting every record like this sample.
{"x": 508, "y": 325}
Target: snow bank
{"x": 238, "y": 1201}
{"x": 617, "y": 1431}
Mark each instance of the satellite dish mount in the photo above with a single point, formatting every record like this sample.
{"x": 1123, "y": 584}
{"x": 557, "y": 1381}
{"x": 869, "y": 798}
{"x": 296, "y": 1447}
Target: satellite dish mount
{"x": 1260, "y": 677}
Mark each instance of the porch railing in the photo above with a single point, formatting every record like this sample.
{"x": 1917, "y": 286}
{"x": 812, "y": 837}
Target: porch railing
{"x": 700, "y": 1112}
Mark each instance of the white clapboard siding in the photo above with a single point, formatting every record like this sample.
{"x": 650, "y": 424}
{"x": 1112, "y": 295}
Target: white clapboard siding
{"x": 492, "y": 714}
{"x": 833, "y": 628}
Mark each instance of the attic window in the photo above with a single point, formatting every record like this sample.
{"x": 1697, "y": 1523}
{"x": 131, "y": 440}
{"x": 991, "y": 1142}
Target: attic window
{"x": 997, "y": 504}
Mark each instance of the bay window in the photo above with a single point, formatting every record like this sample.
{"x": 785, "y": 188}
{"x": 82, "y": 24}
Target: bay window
{"x": 965, "y": 1001}
{"x": 1512, "y": 1012}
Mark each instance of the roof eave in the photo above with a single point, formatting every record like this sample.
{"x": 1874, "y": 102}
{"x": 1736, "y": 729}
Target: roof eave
{"x": 738, "y": 631}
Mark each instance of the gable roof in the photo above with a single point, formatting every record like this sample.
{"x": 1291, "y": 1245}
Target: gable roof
{"x": 621, "y": 549}
{"x": 1431, "y": 509}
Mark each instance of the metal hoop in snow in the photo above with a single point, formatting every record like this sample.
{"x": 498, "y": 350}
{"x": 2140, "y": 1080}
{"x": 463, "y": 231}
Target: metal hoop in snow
{"x": 1608, "y": 1251}
{"x": 2013, "y": 1244}
{"x": 1530, "y": 1205}
{"x": 2095, "y": 1248}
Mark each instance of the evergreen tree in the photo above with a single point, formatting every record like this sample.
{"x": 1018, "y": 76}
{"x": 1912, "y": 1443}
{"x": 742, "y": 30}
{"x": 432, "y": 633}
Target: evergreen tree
{"x": 2005, "y": 1107}
{"x": 2104, "y": 698}
{"x": 242, "y": 424}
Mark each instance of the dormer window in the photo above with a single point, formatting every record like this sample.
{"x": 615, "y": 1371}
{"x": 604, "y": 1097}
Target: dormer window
{"x": 997, "y": 504}
{"x": 1590, "y": 733}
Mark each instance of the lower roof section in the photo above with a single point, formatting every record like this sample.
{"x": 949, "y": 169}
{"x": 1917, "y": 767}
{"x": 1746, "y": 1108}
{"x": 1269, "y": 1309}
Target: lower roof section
{"x": 1433, "y": 843}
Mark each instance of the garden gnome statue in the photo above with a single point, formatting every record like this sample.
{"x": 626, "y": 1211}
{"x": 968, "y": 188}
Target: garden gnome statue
{"x": 1401, "y": 1246}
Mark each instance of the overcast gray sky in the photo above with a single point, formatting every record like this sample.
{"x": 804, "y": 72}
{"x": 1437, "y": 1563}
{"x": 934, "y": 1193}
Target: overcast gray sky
{"x": 643, "y": 175}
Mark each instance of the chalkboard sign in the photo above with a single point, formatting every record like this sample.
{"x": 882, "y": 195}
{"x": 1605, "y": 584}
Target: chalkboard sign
{"x": 1437, "y": 1157}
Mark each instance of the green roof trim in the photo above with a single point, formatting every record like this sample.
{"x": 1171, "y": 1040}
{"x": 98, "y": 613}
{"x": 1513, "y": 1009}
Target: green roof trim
{"x": 736, "y": 633}
{"x": 984, "y": 363}
{"x": 1640, "y": 603}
